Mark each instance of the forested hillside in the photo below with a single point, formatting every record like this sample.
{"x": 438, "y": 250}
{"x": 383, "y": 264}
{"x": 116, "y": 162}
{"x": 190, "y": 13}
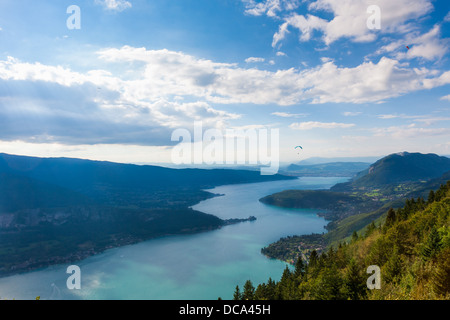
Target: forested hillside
{"x": 411, "y": 247}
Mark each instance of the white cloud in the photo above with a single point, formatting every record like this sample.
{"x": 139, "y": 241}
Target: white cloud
{"x": 447, "y": 17}
{"x": 289, "y": 115}
{"x": 350, "y": 19}
{"x": 281, "y": 54}
{"x": 305, "y": 24}
{"x": 114, "y": 5}
{"x": 254, "y": 60}
{"x": 269, "y": 7}
{"x": 424, "y": 119}
{"x": 322, "y": 125}
{"x": 447, "y": 97}
{"x": 410, "y": 131}
{"x": 351, "y": 114}
{"x": 388, "y": 116}
{"x": 155, "y": 87}
{"x": 83, "y": 107}
{"x": 428, "y": 46}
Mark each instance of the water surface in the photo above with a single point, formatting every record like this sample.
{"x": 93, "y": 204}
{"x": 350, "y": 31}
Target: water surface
{"x": 200, "y": 266}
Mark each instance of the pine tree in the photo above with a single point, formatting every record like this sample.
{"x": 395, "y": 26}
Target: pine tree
{"x": 354, "y": 236}
{"x": 390, "y": 218}
{"x": 284, "y": 286}
{"x": 355, "y": 285}
{"x": 261, "y": 292}
{"x": 441, "y": 275}
{"x": 299, "y": 268}
{"x": 432, "y": 244}
{"x": 371, "y": 228}
{"x": 313, "y": 258}
{"x": 249, "y": 291}
{"x": 329, "y": 285}
{"x": 237, "y": 294}
{"x": 393, "y": 267}
{"x": 271, "y": 290}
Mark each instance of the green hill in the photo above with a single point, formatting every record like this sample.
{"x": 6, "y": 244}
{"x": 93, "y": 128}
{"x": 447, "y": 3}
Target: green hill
{"x": 398, "y": 168}
{"x": 410, "y": 245}
{"x": 331, "y": 169}
{"x": 58, "y": 210}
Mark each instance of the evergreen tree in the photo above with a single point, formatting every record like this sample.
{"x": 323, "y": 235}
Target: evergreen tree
{"x": 249, "y": 291}
{"x": 431, "y": 196}
{"x": 441, "y": 275}
{"x": 355, "y": 284}
{"x": 390, "y": 218}
{"x": 313, "y": 258}
{"x": 371, "y": 228}
{"x": 299, "y": 268}
{"x": 329, "y": 285}
{"x": 237, "y": 294}
{"x": 271, "y": 290}
{"x": 261, "y": 292}
{"x": 432, "y": 244}
{"x": 393, "y": 267}
{"x": 354, "y": 236}
{"x": 284, "y": 285}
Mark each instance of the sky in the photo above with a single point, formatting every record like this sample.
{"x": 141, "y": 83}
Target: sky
{"x": 115, "y": 79}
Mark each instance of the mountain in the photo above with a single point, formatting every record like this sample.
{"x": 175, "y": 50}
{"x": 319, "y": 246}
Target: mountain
{"x": 19, "y": 193}
{"x": 125, "y": 184}
{"x": 410, "y": 247}
{"x": 59, "y": 210}
{"x": 351, "y": 206}
{"x": 321, "y": 160}
{"x": 332, "y": 169}
{"x": 398, "y": 168}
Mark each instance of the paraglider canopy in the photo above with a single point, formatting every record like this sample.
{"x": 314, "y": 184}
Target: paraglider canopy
{"x": 299, "y": 147}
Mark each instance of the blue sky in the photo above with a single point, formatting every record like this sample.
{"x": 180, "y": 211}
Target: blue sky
{"x": 137, "y": 70}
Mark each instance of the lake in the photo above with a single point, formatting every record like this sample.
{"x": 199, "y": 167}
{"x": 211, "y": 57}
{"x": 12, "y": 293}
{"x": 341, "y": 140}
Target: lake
{"x": 202, "y": 266}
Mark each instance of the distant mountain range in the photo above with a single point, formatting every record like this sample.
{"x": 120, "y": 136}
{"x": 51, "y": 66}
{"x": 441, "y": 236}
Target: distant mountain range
{"x": 332, "y": 169}
{"x": 118, "y": 184}
{"x": 57, "y": 210}
{"x": 322, "y": 160}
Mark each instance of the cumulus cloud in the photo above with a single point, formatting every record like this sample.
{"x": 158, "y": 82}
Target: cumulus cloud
{"x": 269, "y": 7}
{"x": 447, "y": 17}
{"x": 51, "y": 103}
{"x": 447, "y": 97}
{"x": 114, "y": 5}
{"x": 427, "y": 46}
{"x": 165, "y": 89}
{"x": 305, "y": 24}
{"x": 410, "y": 131}
{"x": 254, "y": 60}
{"x": 174, "y": 73}
{"x": 351, "y": 114}
{"x": 321, "y": 125}
{"x": 289, "y": 115}
{"x": 350, "y": 19}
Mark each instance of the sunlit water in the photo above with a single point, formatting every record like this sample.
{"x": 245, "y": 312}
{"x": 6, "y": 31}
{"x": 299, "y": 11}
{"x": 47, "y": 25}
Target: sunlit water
{"x": 200, "y": 266}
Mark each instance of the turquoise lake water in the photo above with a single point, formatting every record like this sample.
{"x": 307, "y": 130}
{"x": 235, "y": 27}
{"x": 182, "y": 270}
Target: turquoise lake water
{"x": 202, "y": 266}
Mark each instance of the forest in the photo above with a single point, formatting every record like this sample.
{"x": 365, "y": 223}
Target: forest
{"x": 411, "y": 246}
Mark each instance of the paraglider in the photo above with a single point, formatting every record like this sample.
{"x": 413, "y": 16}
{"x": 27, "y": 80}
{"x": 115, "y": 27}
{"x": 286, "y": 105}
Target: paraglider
{"x": 407, "y": 47}
{"x": 298, "y": 147}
